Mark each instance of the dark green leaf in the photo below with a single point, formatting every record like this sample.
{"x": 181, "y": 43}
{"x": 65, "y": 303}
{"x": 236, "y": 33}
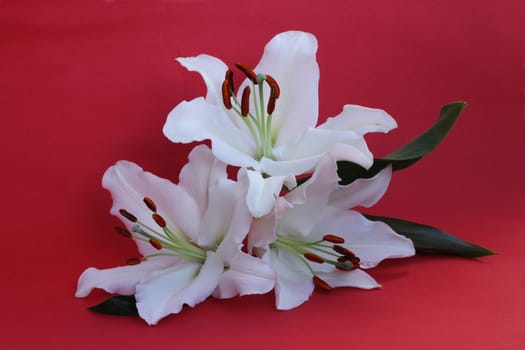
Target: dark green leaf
{"x": 120, "y": 305}
{"x": 429, "y": 239}
{"x": 411, "y": 152}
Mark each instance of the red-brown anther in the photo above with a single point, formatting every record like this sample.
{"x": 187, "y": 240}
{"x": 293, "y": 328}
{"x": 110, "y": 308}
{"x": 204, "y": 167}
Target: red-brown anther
{"x": 156, "y": 244}
{"x": 314, "y": 258}
{"x": 333, "y": 239}
{"x": 319, "y": 283}
{"x": 133, "y": 261}
{"x": 159, "y": 220}
{"x": 271, "y": 103}
{"x": 226, "y": 94}
{"x": 123, "y": 231}
{"x": 150, "y": 204}
{"x": 272, "y": 83}
{"x": 229, "y": 77}
{"x": 250, "y": 74}
{"x": 245, "y": 101}
{"x": 128, "y": 215}
{"x": 342, "y": 250}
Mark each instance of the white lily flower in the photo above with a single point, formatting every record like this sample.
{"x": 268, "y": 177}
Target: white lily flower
{"x": 270, "y": 126}
{"x": 311, "y": 239}
{"x": 190, "y": 237}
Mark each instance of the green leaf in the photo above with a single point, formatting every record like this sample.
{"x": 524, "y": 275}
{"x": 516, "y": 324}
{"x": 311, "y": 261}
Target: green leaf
{"x": 409, "y": 153}
{"x": 119, "y": 305}
{"x": 429, "y": 239}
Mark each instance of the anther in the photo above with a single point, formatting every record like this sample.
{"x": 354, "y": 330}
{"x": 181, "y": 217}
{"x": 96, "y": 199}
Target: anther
{"x": 250, "y": 74}
{"x": 150, "y": 204}
{"x": 314, "y": 258}
{"x": 133, "y": 261}
{"x": 333, "y": 239}
{"x": 273, "y": 85}
{"x": 344, "y": 251}
{"x": 128, "y": 215}
{"x": 123, "y": 231}
{"x": 159, "y": 220}
{"x": 245, "y": 101}
{"x": 226, "y": 94}
{"x": 318, "y": 282}
{"x": 156, "y": 244}
{"x": 271, "y": 103}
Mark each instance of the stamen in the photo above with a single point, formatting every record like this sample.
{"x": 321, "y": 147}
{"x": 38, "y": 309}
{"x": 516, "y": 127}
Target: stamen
{"x": 245, "y": 101}
{"x": 229, "y": 78}
{"x": 123, "y": 231}
{"x": 314, "y": 258}
{"x": 159, "y": 220}
{"x": 133, "y": 261}
{"x": 156, "y": 244}
{"x": 273, "y": 85}
{"x": 333, "y": 239}
{"x": 344, "y": 251}
{"x": 150, "y": 204}
{"x": 318, "y": 282}
{"x": 128, "y": 215}
{"x": 226, "y": 94}
{"x": 271, "y": 102}
{"x": 250, "y": 74}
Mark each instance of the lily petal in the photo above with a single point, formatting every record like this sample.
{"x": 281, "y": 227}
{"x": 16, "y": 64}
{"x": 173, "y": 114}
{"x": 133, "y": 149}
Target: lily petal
{"x": 356, "y": 278}
{"x": 361, "y": 120}
{"x": 344, "y": 145}
{"x": 362, "y": 192}
{"x": 290, "y": 58}
{"x": 201, "y": 172}
{"x": 198, "y": 120}
{"x": 166, "y": 291}
{"x": 262, "y": 192}
{"x": 212, "y": 71}
{"x": 227, "y": 215}
{"x": 119, "y": 280}
{"x": 293, "y": 285}
{"x": 371, "y": 241}
{"x": 245, "y": 275}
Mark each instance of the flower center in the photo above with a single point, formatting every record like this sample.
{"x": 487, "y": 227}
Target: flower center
{"x": 169, "y": 242}
{"x": 258, "y": 119}
{"x": 325, "y": 251}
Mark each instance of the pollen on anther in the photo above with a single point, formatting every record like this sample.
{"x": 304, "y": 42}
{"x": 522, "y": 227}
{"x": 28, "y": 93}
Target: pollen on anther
{"x": 128, "y": 215}
{"x": 342, "y": 250}
{"x": 273, "y": 85}
{"x": 133, "y": 261}
{"x": 123, "y": 231}
{"x": 333, "y": 239}
{"x": 318, "y": 282}
{"x": 271, "y": 103}
{"x": 245, "y": 101}
{"x": 313, "y": 258}
{"x": 226, "y": 94}
{"x": 250, "y": 74}
{"x": 159, "y": 220}
{"x": 150, "y": 204}
{"x": 156, "y": 244}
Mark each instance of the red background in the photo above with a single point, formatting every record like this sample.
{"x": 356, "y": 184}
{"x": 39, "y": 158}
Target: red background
{"x": 84, "y": 84}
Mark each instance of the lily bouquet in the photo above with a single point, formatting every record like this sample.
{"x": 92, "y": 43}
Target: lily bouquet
{"x": 287, "y": 221}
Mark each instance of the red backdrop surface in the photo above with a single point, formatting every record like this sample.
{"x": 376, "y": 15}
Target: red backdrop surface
{"x": 84, "y": 84}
